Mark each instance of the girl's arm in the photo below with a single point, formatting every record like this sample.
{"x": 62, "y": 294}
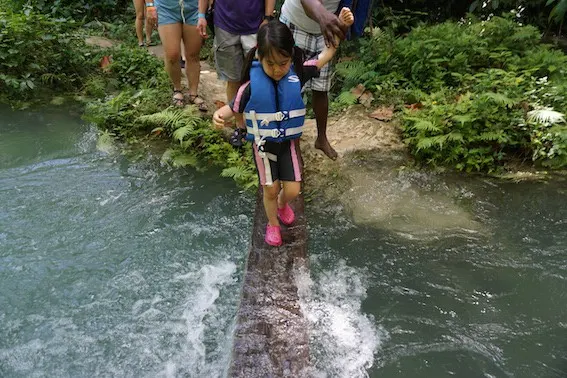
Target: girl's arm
{"x": 347, "y": 18}
{"x": 221, "y": 115}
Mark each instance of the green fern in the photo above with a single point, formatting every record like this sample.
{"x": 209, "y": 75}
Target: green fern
{"x": 352, "y": 70}
{"x": 491, "y": 136}
{"x": 462, "y": 118}
{"x": 49, "y": 78}
{"x": 425, "y": 143}
{"x": 170, "y": 118}
{"x": 455, "y": 137}
{"x": 499, "y": 98}
{"x": 420, "y": 124}
{"x": 181, "y": 133}
{"x": 346, "y": 98}
{"x": 234, "y": 172}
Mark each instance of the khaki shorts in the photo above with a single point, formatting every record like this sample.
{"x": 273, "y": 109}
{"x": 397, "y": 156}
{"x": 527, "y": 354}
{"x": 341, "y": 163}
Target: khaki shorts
{"x": 230, "y": 51}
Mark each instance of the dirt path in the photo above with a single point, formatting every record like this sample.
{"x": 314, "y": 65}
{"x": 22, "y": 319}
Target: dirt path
{"x": 350, "y": 132}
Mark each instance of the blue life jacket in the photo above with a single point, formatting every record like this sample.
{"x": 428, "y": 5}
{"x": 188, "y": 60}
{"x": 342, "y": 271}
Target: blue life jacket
{"x": 275, "y": 111}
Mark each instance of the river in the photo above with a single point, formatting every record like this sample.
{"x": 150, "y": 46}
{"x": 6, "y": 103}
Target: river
{"x": 115, "y": 265}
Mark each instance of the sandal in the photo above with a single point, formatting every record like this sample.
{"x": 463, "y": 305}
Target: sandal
{"x": 238, "y": 138}
{"x": 201, "y": 105}
{"x": 177, "y": 100}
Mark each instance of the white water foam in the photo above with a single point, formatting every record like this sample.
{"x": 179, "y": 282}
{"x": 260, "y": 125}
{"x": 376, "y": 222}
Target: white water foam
{"x": 193, "y": 358}
{"x": 343, "y": 338}
{"x": 88, "y": 141}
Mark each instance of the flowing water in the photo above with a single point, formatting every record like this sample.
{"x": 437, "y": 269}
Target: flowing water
{"x": 121, "y": 267}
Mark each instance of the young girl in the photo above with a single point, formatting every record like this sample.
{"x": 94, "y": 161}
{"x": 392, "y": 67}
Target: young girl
{"x": 271, "y": 101}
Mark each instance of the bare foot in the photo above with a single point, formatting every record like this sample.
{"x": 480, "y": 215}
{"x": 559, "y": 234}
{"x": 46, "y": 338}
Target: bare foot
{"x": 326, "y": 148}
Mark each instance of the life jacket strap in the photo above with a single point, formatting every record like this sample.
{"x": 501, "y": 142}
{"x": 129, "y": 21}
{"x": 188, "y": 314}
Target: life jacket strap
{"x": 260, "y": 141}
{"x": 274, "y": 133}
{"x": 266, "y": 118}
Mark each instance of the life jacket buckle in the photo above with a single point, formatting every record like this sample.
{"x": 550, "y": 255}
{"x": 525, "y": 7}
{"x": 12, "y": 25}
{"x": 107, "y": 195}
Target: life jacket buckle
{"x": 260, "y": 145}
{"x": 280, "y": 116}
{"x": 276, "y": 133}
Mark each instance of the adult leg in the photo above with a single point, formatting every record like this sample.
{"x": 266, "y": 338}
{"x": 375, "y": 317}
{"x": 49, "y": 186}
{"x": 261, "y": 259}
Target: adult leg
{"x": 192, "y": 42}
{"x": 170, "y": 35}
{"x": 140, "y": 8}
{"x": 321, "y": 110}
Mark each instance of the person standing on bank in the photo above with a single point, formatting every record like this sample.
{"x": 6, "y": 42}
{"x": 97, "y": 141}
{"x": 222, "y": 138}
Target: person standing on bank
{"x": 141, "y": 19}
{"x": 236, "y": 23}
{"x": 271, "y": 102}
{"x": 314, "y": 25}
{"x": 177, "y": 23}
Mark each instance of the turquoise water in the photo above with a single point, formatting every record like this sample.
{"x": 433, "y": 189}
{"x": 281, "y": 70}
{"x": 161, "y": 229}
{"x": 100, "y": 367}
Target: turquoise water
{"x": 112, "y": 266}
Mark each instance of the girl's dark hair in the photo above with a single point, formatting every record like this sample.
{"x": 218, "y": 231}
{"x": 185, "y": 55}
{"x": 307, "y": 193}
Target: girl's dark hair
{"x": 272, "y": 37}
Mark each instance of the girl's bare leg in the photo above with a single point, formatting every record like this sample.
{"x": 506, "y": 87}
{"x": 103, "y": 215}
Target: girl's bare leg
{"x": 289, "y": 192}
{"x": 271, "y": 202}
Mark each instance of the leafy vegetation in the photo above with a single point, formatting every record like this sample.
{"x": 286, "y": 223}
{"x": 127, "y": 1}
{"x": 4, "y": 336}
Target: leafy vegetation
{"x": 38, "y": 53}
{"x": 195, "y": 143}
{"x": 71, "y": 9}
{"x": 472, "y": 84}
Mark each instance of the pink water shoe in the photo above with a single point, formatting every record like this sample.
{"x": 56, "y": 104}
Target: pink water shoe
{"x": 286, "y": 215}
{"x": 273, "y": 235}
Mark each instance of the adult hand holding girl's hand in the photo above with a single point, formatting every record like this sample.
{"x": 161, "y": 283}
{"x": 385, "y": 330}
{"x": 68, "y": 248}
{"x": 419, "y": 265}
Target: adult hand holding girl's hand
{"x": 331, "y": 26}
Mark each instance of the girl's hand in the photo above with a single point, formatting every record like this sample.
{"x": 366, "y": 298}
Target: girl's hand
{"x": 151, "y": 14}
{"x": 218, "y": 121}
{"x": 346, "y": 16}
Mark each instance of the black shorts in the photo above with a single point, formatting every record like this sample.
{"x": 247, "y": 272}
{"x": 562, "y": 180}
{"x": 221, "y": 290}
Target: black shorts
{"x": 288, "y": 164}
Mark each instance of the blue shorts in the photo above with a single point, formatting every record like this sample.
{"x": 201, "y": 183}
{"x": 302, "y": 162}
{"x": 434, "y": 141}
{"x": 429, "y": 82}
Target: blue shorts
{"x": 170, "y": 12}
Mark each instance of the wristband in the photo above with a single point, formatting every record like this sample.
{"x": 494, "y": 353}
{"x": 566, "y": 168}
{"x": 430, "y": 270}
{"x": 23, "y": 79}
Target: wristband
{"x": 148, "y": 5}
{"x": 202, "y": 15}
{"x": 269, "y": 17}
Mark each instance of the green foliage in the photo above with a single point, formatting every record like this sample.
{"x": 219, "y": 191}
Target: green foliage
{"x": 135, "y": 67}
{"x": 559, "y": 10}
{"x": 475, "y": 81}
{"x": 194, "y": 141}
{"x": 201, "y": 146}
{"x": 39, "y": 53}
{"x": 75, "y": 9}
{"x": 119, "y": 113}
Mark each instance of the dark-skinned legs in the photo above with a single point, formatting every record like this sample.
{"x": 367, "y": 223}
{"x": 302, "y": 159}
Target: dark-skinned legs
{"x": 321, "y": 110}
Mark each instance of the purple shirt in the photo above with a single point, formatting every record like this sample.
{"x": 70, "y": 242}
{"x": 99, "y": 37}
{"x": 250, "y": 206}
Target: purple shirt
{"x": 240, "y": 17}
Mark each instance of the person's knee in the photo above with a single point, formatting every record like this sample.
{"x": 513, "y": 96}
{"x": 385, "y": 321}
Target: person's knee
{"x": 173, "y": 56}
{"x": 292, "y": 190}
{"x": 271, "y": 192}
{"x": 193, "y": 57}
{"x": 139, "y": 15}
